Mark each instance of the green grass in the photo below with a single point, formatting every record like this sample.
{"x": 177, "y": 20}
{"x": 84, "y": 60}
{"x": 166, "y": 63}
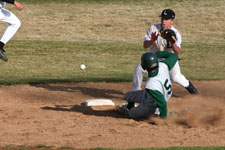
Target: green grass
{"x": 51, "y": 61}
{"x": 58, "y": 61}
{"x": 203, "y": 61}
{"x": 49, "y": 47}
{"x": 117, "y": 20}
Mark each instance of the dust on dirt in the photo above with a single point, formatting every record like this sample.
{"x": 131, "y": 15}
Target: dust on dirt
{"x": 53, "y": 114}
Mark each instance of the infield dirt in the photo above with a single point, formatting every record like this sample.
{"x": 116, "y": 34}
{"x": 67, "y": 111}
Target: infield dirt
{"x": 53, "y": 114}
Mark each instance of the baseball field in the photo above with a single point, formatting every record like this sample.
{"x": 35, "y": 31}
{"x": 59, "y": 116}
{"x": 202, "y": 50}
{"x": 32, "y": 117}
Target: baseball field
{"x": 42, "y": 87}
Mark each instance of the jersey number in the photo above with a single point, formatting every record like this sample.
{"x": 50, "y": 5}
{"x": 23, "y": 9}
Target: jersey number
{"x": 168, "y": 87}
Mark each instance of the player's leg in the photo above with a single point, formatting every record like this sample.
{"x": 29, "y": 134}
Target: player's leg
{"x": 13, "y": 26}
{"x": 131, "y": 97}
{"x": 178, "y": 77}
{"x": 138, "y": 77}
{"x": 146, "y": 107}
{"x": 134, "y": 96}
{"x": 144, "y": 110}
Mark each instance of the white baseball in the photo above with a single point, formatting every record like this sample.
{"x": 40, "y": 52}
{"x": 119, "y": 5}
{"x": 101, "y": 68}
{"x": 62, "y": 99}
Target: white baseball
{"x": 82, "y": 66}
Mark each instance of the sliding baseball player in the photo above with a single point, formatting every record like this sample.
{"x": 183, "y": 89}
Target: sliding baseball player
{"x": 158, "y": 88}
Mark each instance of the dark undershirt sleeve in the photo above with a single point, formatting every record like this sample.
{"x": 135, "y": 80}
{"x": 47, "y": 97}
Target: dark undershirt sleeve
{"x": 9, "y": 1}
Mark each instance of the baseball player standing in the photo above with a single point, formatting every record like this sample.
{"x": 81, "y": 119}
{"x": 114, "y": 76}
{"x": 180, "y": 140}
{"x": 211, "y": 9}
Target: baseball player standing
{"x": 158, "y": 88}
{"x": 13, "y": 24}
{"x": 159, "y": 43}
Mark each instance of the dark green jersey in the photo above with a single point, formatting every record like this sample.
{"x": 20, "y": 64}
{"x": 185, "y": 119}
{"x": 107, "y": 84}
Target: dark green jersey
{"x": 171, "y": 58}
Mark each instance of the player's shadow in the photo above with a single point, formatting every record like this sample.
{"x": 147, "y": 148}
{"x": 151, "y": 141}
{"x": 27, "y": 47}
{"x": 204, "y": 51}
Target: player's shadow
{"x": 85, "y": 110}
{"x": 93, "y": 92}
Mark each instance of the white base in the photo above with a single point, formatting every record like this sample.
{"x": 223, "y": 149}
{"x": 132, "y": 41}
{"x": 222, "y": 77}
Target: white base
{"x": 99, "y": 102}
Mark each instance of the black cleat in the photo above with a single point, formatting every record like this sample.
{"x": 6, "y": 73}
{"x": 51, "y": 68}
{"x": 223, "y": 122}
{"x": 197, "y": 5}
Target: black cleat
{"x": 191, "y": 89}
{"x": 123, "y": 110}
{"x": 2, "y": 55}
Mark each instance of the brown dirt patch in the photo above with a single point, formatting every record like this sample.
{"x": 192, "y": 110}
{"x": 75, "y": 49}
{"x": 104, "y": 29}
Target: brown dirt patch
{"x": 53, "y": 115}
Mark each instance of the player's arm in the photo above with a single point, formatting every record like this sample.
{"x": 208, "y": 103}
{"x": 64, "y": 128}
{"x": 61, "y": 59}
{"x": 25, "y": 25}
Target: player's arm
{"x": 171, "y": 58}
{"x": 160, "y": 102}
{"x": 148, "y": 43}
{"x": 9, "y": 1}
{"x": 150, "y": 38}
{"x": 18, "y": 5}
{"x": 175, "y": 48}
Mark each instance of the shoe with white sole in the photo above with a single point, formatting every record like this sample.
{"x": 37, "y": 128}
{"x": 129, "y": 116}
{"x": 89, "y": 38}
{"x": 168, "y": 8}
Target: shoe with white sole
{"x": 122, "y": 109}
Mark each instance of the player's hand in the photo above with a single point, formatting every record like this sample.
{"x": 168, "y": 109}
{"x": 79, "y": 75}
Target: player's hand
{"x": 154, "y": 36}
{"x": 18, "y": 5}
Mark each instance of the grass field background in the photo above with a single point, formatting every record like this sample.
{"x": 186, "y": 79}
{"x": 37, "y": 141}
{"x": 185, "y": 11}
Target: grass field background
{"x": 57, "y": 36}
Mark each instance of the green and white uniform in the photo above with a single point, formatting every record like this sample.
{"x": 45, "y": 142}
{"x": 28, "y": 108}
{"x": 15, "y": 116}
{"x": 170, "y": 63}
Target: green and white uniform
{"x": 157, "y": 91}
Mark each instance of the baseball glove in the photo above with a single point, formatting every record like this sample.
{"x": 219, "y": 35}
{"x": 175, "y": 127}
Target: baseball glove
{"x": 168, "y": 34}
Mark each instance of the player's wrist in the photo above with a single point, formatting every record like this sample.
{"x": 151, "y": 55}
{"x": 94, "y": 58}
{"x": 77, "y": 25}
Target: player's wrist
{"x": 175, "y": 48}
{"x": 18, "y": 5}
{"x": 147, "y": 44}
{"x": 152, "y": 41}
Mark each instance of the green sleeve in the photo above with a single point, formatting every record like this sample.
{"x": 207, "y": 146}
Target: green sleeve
{"x": 160, "y": 102}
{"x": 171, "y": 58}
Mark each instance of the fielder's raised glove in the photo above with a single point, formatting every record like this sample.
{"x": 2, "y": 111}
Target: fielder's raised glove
{"x": 169, "y": 35}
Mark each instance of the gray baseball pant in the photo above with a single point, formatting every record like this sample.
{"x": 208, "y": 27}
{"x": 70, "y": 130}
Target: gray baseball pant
{"x": 146, "y": 107}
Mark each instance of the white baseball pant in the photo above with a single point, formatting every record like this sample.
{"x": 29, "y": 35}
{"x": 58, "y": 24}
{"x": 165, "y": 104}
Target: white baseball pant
{"x": 13, "y": 24}
{"x": 175, "y": 75}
